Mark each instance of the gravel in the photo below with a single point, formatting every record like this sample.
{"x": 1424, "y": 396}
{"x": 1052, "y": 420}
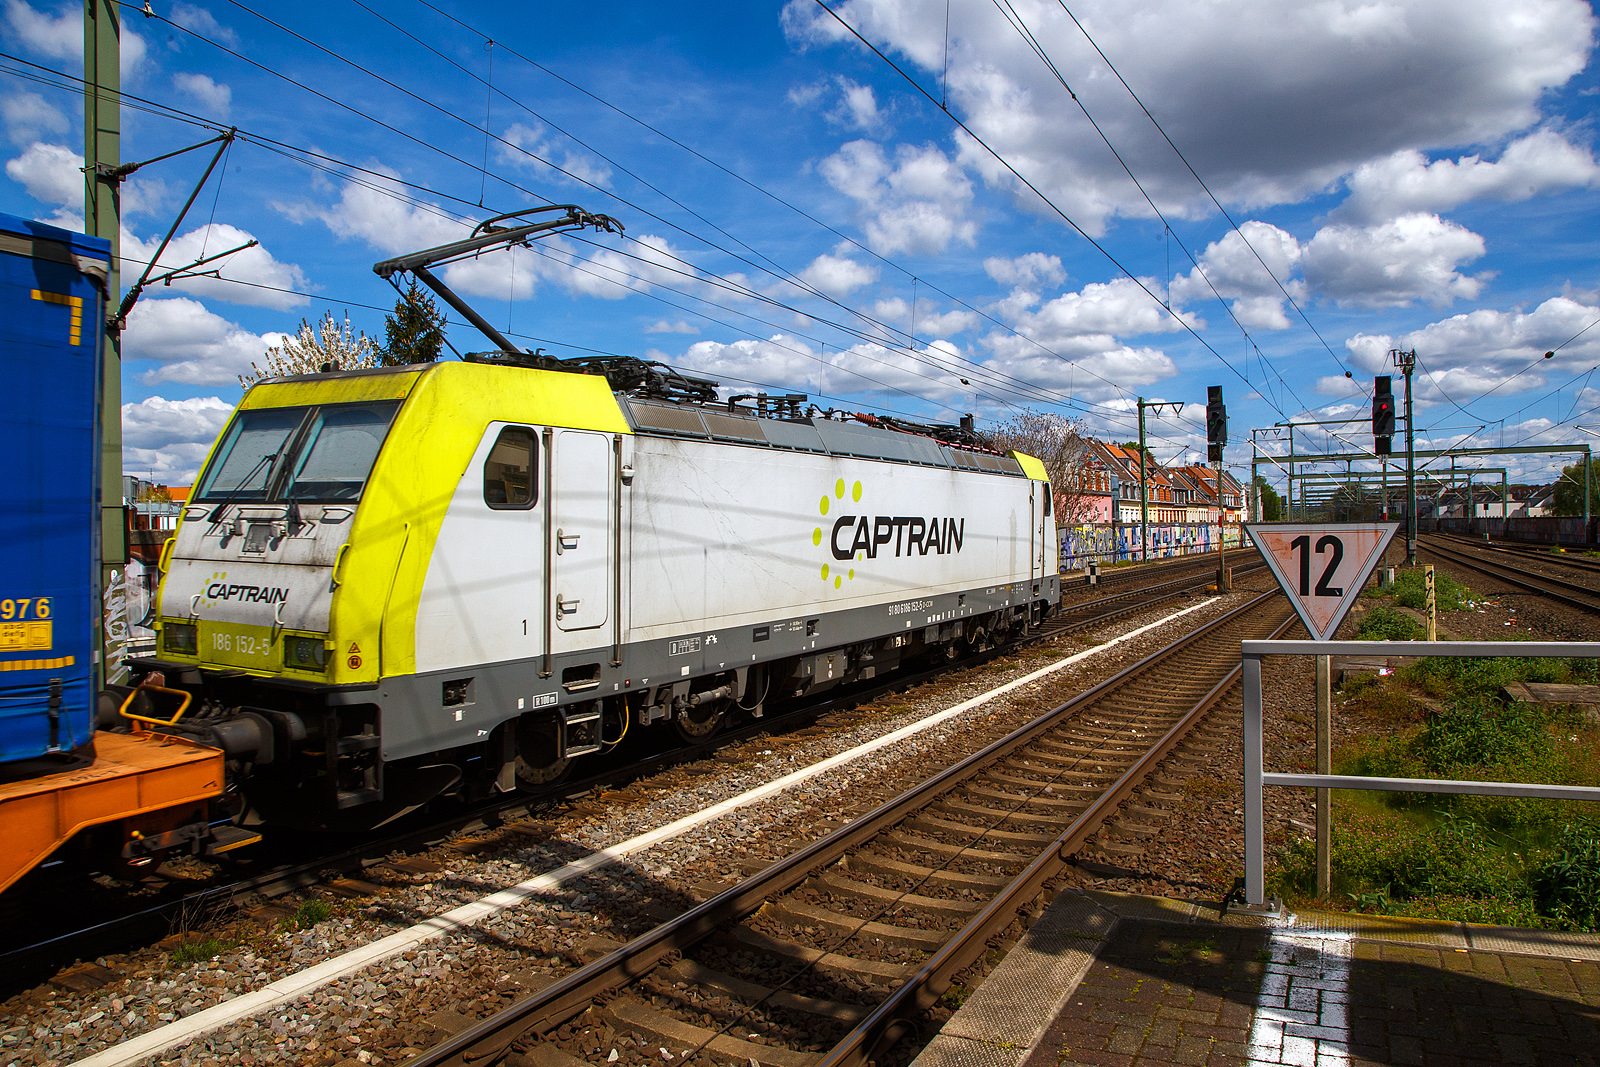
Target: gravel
{"x": 386, "y": 1011}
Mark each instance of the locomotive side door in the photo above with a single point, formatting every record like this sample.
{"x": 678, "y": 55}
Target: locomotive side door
{"x": 580, "y": 516}
{"x": 1042, "y": 526}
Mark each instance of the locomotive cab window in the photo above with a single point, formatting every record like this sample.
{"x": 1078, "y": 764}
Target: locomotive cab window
{"x": 308, "y": 455}
{"x": 508, "y": 472}
{"x": 341, "y": 443}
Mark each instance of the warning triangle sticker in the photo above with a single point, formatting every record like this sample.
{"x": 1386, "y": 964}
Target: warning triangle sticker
{"x": 354, "y": 647}
{"x": 1322, "y": 565}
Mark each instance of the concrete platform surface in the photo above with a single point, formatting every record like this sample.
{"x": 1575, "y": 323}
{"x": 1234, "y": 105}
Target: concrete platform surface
{"x": 1122, "y": 980}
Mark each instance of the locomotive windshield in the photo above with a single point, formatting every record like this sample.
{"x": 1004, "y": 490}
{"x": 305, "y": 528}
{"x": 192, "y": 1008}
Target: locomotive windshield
{"x": 305, "y": 454}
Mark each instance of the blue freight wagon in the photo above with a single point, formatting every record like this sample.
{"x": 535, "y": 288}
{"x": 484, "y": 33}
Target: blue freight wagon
{"x": 52, "y": 322}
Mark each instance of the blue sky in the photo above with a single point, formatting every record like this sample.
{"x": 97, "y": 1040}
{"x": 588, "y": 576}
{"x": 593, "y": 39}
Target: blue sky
{"x": 1394, "y": 173}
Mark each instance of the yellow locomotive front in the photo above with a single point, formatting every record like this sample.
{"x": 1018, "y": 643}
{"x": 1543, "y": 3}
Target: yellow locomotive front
{"x": 255, "y": 579}
{"x": 290, "y": 591}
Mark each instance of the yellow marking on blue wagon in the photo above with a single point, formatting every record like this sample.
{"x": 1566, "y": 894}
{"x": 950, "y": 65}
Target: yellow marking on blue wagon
{"x": 36, "y": 664}
{"x": 26, "y": 636}
{"x": 75, "y": 303}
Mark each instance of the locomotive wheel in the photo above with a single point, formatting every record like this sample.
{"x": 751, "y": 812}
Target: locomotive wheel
{"x": 699, "y": 723}
{"x": 539, "y": 759}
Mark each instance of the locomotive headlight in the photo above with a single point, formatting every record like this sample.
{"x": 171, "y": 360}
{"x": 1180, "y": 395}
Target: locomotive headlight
{"x": 305, "y": 653}
{"x": 180, "y": 637}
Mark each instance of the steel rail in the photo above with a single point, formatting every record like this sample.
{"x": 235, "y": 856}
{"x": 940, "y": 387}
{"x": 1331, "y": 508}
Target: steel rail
{"x": 132, "y": 928}
{"x": 881, "y": 1029}
{"x": 1537, "y": 583}
{"x": 545, "y": 1010}
{"x": 1117, "y": 575}
{"x": 1525, "y": 549}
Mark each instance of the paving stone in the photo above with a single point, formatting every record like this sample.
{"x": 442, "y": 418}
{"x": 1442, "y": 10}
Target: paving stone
{"x": 1168, "y": 987}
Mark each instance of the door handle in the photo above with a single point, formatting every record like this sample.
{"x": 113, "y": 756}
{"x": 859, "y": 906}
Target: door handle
{"x": 565, "y": 607}
{"x": 562, "y": 539}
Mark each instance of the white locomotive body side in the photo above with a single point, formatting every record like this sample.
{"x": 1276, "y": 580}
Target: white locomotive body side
{"x": 725, "y": 535}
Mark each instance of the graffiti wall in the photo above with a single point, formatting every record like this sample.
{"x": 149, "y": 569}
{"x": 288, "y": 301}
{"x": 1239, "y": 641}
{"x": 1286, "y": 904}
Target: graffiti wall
{"x": 1106, "y": 543}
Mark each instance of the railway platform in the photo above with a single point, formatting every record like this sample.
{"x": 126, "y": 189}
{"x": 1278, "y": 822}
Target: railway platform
{"x": 1126, "y": 981}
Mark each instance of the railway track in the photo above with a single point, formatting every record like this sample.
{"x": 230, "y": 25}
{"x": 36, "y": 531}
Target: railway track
{"x": 829, "y": 956}
{"x": 1561, "y": 561}
{"x": 1569, "y": 593}
{"x": 145, "y": 922}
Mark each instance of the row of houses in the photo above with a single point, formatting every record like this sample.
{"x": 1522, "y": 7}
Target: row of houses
{"x": 1108, "y": 490}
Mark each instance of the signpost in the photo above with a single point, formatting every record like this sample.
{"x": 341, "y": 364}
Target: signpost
{"x": 1322, "y": 567}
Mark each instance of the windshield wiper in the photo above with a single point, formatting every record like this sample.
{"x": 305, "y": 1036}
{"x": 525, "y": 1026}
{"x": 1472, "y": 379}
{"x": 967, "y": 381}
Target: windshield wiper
{"x": 233, "y": 494}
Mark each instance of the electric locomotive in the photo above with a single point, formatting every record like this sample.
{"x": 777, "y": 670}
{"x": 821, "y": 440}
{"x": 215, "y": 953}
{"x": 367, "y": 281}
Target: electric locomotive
{"x": 457, "y": 577}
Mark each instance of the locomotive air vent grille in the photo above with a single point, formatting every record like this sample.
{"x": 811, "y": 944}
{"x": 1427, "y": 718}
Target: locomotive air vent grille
{"x": 677, "y": 420}
{"x": 988, "y": 463}
{"x": 729, "y": 426}
{"x": 1010, "y": 466}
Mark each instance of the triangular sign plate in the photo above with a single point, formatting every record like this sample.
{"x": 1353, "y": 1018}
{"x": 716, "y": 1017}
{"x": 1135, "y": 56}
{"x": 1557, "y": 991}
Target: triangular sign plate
{"x": 1322, "y": 565}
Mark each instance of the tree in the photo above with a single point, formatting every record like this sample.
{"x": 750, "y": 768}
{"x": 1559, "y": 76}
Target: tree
{"x": 1058, "y": 443}
{"x": 414, "y": 333}
{"x": 1569, "y": 491}
{"x": 1271, "y": 502}
{"x": 330, "y": 346}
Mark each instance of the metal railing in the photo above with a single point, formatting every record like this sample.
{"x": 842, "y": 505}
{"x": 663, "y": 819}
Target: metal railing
{"x": 1256, "y": 777}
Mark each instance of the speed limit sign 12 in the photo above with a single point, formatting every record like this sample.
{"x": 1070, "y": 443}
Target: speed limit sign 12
{"x": 1322, "y": 565}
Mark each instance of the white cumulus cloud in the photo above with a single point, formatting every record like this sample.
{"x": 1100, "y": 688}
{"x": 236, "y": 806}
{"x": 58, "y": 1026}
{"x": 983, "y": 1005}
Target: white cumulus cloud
{"x": 170, "y": 438}
{"x": 53, "y": 174}
{"x": 1471, "y": 353}
{"x": 216, "y": 98}
{"x": 838, "y": 276}
{"x": 1029, "y": 271}
{"x": 28, "y": 116}
{"x": 531, "y": 148}
{"x": 1395, "y": 263}
{"x": 1271, "y": 102}
{"x": 918, "y": 201}
{"x": 264, "y": 276}
{"x": 191, "y": 344}
{"x": 1232, "y": 269}
{"x": 60, "y": 36}
{"x": 1406, "y": 183}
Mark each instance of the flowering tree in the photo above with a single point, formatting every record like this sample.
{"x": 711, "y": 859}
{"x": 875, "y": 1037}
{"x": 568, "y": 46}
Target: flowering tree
{"x": 1058, "y": 443}
{"x": 330, "y": 346}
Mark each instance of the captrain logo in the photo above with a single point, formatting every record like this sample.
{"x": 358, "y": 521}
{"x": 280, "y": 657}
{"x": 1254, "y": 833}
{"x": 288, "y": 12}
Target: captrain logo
{"x": 218, "y": 590}
{"x": 857, "y": 538}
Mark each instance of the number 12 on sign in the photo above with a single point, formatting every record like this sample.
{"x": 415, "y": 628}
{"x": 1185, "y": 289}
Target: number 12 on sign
{"x": 1325, "y": 543}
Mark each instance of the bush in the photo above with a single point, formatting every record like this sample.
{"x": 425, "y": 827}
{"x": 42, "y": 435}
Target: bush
{"x": 1387, "y": 624}
{"x": 1480, "y": 734}
{"x": 1458, "y": 677}
{"x": 1566, "y": 886}
{"x": 1411, "y": 590}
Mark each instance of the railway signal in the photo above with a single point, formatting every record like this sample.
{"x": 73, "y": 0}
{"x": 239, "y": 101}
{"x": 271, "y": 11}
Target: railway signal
{"x": 1216, "y": 424}
{"x": 1382, "y": 414}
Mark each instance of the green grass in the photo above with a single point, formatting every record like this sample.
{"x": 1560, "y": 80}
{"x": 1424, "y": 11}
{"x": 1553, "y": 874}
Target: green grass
{"x": 197, "y": 951}
{"x": 307, "y": 915}
{"x": 1467, "y": 858}
{"x": 1387, "y": 624}
{"x": 1410, "y": 589}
